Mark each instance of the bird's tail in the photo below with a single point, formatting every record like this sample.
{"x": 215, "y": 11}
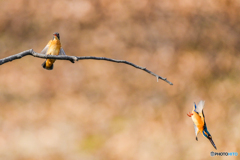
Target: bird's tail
{"x": 47, "y": 67}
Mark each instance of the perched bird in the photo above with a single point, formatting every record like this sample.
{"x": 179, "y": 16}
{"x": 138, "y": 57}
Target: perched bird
{"x": 52, "y": 48}
{"x": 199, "y": 121}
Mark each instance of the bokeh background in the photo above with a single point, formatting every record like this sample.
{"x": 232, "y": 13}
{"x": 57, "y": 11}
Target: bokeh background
{"x": 99, "y": 110}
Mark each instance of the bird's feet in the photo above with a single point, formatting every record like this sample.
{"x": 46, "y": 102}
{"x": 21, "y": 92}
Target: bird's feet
{"x": 190, "y": 114}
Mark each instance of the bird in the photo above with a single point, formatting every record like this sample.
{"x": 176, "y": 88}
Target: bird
{"x": 52, "y": 48}
{"x": 199, "y": 121}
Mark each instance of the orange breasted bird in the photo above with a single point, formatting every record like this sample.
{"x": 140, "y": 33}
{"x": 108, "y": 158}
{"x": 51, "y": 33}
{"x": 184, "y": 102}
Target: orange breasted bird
{"x": 52, "y": 48}
{"x": 199, "y": 121}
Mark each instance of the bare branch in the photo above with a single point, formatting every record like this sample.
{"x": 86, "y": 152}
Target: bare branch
{"x": 73, "y": 59}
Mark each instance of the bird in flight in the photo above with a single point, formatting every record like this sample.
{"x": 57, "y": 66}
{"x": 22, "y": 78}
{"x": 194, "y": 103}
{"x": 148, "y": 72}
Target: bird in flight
{"x": 199, "y": 121}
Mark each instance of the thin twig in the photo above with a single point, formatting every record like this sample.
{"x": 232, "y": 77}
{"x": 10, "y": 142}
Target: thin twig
{"x": 73, "y": 59}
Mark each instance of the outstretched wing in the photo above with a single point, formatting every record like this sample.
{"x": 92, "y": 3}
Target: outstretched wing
{"x": 62, "y": 52}
{"x": 196, "y": 131}
{"x": 45, "y": 49}
{"x": 199, "y": 107}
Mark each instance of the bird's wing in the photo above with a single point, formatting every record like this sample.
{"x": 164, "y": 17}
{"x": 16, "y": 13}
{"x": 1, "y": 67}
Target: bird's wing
{"x": 62, "y": 52}
{"x": 196, "y": 130}
{"x": 45, "y": 49}
{"x": 203, "y": 119}
{"x": 199, "y": 107}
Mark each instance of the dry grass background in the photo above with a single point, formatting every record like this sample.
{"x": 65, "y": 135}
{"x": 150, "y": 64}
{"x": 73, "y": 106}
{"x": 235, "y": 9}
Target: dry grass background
{"x": 96, "y": 110}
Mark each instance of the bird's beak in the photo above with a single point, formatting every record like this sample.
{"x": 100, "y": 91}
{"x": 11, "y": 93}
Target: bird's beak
{"x": 210, "y": 139}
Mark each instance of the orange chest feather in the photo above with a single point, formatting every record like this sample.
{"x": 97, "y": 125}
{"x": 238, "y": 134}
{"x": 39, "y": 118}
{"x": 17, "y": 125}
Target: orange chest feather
{"x": 198, "y": 121}
{"x": 54, "y": 47}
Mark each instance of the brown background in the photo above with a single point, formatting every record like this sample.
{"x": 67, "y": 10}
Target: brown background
{"x": 98, "y": 110}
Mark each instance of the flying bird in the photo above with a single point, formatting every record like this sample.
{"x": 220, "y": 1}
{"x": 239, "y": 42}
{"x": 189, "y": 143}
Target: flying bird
{"x": 52, "y": 48}
{"x": 199, "y": 121}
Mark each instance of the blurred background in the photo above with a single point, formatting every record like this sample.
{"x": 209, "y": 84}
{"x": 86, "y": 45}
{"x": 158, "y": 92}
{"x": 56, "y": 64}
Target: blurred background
{"x": 99, "y": 110}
